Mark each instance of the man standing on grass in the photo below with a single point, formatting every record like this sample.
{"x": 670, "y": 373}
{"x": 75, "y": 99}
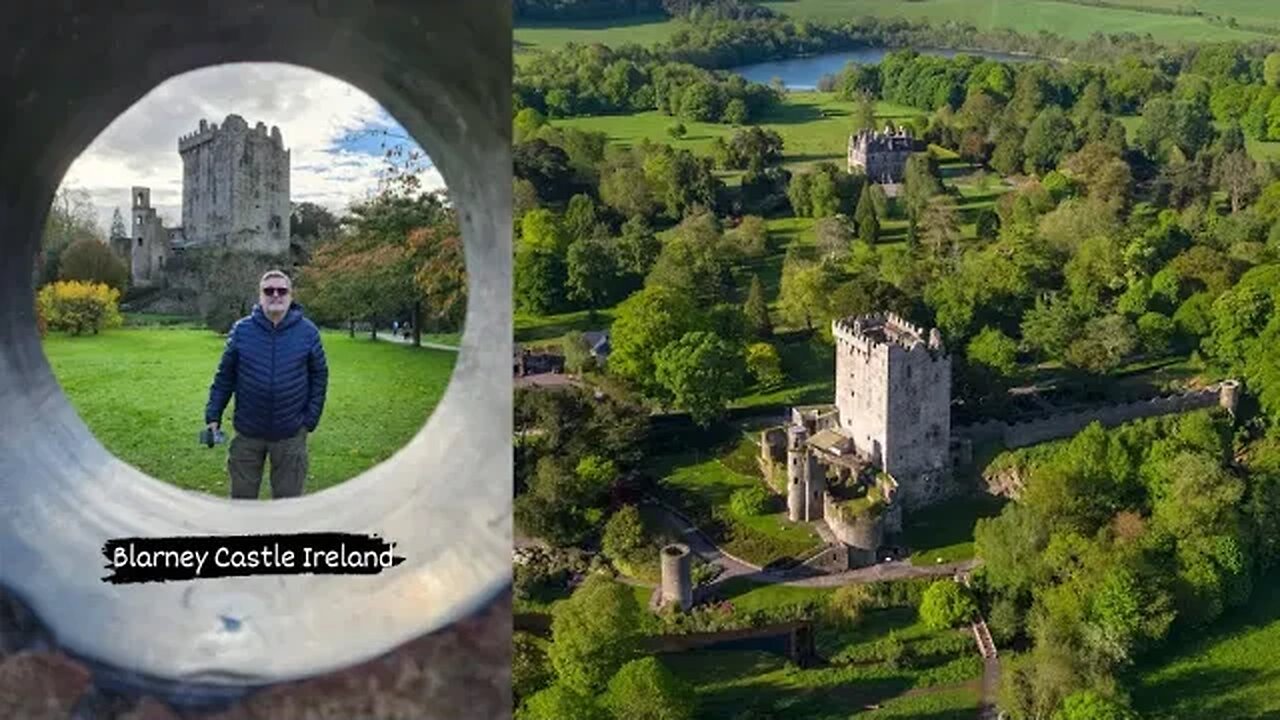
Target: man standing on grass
{"x": 274, "y": 364}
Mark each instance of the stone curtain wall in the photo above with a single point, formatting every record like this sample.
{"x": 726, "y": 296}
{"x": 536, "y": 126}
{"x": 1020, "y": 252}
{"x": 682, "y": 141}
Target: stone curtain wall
{"x": 1031, "y": 432}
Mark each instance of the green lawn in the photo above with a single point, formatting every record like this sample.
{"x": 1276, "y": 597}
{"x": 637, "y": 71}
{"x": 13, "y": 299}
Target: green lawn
{"x": 814, "y": 127}
{"x": 701, "y": 483}
{"x": 1232, "y": 673}
{"x": 143, "y": 391}
{"x": 551, "y": 329}
{"x": 939, "y": 683}
{"x": 946, "y": 530}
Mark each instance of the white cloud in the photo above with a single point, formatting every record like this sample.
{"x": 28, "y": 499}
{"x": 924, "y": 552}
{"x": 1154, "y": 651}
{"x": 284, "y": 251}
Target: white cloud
{"x": 314, "y": 112}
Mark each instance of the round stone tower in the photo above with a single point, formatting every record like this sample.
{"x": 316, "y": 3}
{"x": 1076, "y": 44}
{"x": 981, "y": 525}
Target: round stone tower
{"x": 797, "y": 481}
{"x": 677, "y": 580}
{"x": 1229, "y": 395}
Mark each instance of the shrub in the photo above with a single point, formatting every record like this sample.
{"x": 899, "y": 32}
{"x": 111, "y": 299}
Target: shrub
{"x": 624, "y": 535}
{"x": 765, "y": 365}
{"x": 749, "y": 502}
{"x": 848, "y": 603}
{"x": 91, "y": 261}
{"x": 946, "y": 604}
{"x": 77, "y": 307}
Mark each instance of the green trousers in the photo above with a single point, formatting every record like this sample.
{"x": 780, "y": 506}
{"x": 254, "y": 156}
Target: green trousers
{"x": 247, "y": 455}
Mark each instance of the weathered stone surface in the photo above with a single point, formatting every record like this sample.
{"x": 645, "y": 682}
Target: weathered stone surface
{"x": 37, "y": 685}
{"x": 461, "y": 672}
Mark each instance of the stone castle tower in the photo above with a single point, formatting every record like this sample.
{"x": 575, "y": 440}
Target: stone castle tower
{"x": 806, "y": 478}
{"x": 893, "y": 396}
{"x": 235, "y": 187}
{"x": 148, "y": 244}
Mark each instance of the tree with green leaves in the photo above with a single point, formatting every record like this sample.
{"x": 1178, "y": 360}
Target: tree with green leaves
{"x": 756, "y": 310}
{"x": 595, "y": 632}
{"x": 624, "y": 535}
{"x": 764, "y": 364}
{"x": 91, "y": 261}
{"x": 864, "y": 112}
{"x": 645, "y": 689}
{"x": 590, "y": 273}
{"x": 560, "y": 701}
{"x": 804, "y": 298}
{"x": 920, "y": 184}
{"x": 700, "y": 372}
{"x": 1091, "y": 705}
{"x": 865, "y": 216}
{"x": 645, "y": 323}
{"x": 947, "y": 604}
{"x": 530, "y": 669}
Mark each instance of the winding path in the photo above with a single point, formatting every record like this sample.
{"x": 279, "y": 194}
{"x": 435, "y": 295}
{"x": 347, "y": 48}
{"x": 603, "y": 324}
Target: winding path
{"x": 732, "y": 567}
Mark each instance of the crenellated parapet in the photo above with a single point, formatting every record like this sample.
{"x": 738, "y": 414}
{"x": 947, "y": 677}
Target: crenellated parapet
{"x": 232, "y": 125}
{"x": 875, "y": 331}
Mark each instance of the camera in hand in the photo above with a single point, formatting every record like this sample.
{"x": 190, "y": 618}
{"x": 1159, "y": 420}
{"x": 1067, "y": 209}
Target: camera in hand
{"x": 209, "y": 438}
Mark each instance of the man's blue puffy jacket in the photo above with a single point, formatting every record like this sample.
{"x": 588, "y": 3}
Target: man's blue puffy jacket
{"x": 278, "y": 374}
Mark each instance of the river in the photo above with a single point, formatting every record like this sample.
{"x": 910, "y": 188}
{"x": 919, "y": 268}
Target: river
{"x": 803, "y": 73}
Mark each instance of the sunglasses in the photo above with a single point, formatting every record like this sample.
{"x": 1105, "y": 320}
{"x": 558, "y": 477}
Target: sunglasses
{"x": 276, "y": 291}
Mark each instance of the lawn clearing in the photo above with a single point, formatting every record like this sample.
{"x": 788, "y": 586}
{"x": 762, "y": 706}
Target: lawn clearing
{"x": 945, "y": 530}
{"x": 814, "y": 127}
{"x": 143, "y": 391}
{"x": 1230, "y": 673}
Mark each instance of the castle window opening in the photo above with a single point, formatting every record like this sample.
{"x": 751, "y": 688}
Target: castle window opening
{"x": 139, "y": 242}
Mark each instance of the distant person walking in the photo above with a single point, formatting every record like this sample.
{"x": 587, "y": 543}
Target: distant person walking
{"x": 275, "y": 366}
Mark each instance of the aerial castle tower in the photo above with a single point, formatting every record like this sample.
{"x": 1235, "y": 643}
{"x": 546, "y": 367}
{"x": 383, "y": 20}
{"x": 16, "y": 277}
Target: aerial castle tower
{"x": 893, "y": 394}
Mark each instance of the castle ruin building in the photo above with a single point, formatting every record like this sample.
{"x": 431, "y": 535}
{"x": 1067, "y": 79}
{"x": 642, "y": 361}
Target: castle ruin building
{"x": 884, "y": 445}
{"x": 881, "y": 155}
{"x": 235, "y": 194}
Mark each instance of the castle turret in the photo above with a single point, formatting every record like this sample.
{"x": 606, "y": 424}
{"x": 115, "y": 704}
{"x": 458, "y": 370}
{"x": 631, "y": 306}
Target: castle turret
{"x": 1229, "y": 396}
{"x": 797, "y": 472}
{"x": 815, "y": 485}
{"x": 677, "y": 576}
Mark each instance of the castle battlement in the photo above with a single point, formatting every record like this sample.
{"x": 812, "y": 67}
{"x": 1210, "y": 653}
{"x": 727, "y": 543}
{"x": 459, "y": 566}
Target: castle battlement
{"x": 233, "y": 124}
{"x": 881, "y": 332}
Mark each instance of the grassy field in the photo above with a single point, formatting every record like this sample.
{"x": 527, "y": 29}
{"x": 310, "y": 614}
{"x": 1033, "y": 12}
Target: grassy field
{"x": 939, "y": 683}
{"x": 1029, "y": 17}
{"x": 701, "y": 483}
{"x": 945, "y": 531}
{"x": 1232, "y": 673}
{"x": 142, "y": 392}
{"x": 814, "y": 127}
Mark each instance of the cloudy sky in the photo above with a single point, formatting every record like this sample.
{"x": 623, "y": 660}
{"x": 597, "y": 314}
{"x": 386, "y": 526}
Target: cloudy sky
{"x": 332, "y": 130}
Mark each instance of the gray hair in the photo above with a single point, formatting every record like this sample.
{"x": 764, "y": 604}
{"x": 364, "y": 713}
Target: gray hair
{"x": 274, "y": 273}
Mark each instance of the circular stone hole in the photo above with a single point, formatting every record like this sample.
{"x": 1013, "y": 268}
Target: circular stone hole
{"x": 444, "y": 498}
{"x": 675, "y": 550}
{"x": 168, "y": 222}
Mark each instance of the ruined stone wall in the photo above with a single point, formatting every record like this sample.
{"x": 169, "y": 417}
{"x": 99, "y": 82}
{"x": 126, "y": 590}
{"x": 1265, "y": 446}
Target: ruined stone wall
{"x": 863, "y": 533}
{"x": 235, "y": 186}
{"x": 1031, "y": 432}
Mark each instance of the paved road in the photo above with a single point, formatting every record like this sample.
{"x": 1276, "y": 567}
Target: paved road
{"x": 388, "y": 337}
